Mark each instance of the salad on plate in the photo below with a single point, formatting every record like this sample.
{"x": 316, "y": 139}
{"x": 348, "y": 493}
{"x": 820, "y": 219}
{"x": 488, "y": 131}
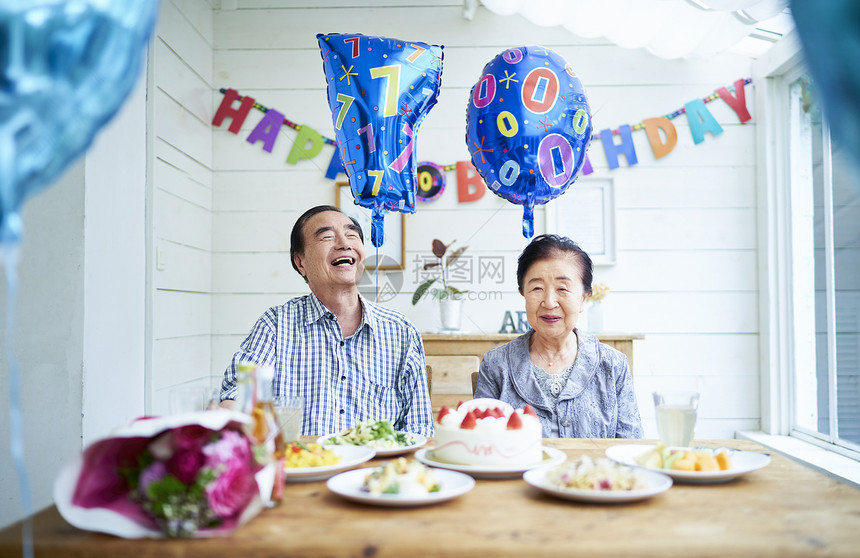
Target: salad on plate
{"x": 378, "y": 434}
{"x": 401, "y": 476}
{"x": 594, "y": 474}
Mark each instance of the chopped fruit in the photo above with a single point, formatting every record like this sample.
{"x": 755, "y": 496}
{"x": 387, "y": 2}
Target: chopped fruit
{"x": 679, "y": 459}
{"x": 686, "y": 463}
{"x": 706, "y": 462}
{"x": 479, "y": 414}
{"x": 469, "y": 421}
{"x": 515, "y": 422}
{"x": 442, "y": 412}
{"x": 459, "y": 403}
{"x": 498, "y": 413}
{"x": 651, "y": 459}
{"x": 529, "y": 410}
{"x": 723, "y": 460}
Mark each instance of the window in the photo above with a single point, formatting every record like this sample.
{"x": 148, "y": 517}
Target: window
{"x": 824, "y": 208}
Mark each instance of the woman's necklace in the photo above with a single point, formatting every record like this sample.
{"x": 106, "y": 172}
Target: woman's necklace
{"x": 560, "y": 357}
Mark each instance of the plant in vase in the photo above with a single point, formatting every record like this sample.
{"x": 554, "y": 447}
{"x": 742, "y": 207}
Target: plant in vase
{"x": 595, "y": 312}
{"x": 450, "y": 298}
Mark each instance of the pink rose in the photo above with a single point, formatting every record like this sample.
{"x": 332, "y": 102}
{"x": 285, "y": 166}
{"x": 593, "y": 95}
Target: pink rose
{"x": 232, "y": 446}
{"x": 231, "y": 492}
{"x": 185, "y": 464}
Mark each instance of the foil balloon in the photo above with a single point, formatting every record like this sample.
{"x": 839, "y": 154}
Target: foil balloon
{"x": 528, "y": 126}
{"x": 830, "y": 35}
{"x": 65, "y": 69}
{"x": 379, "y": 91}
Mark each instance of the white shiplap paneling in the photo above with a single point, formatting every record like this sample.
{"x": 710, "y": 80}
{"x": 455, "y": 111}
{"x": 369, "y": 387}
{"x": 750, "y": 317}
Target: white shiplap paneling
{"x": 686, "y": 270}
{"x": 181, "y": 185}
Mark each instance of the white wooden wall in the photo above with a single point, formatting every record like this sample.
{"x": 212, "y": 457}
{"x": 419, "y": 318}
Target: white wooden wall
{"x": 181, "y": 186}
{"x": 686, "y": 244}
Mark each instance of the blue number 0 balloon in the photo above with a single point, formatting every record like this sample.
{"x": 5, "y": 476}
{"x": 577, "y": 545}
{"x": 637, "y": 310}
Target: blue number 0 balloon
{"x": 379, "y": 91}
{"x": 66, "y": 68}
{"x": 528, "y": 126}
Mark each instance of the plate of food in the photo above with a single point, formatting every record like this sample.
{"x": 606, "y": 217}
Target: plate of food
{"x": 377, "y": 434}
{"x": 551, "y": 456}
{"x": 698, "y": 465}
{"x": 313, "y": 462}
{"x": 400, "y": 483}
{"x": 600, "y": 481}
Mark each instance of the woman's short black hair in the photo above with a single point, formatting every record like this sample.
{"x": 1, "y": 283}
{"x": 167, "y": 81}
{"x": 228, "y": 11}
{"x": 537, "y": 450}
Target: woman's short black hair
{"x": 297, "y": 237}
{"x": 549, "y": 246}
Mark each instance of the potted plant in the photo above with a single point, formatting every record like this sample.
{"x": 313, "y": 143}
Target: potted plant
{"x": 595, "y": 310}
{"x": 450, "y": 298}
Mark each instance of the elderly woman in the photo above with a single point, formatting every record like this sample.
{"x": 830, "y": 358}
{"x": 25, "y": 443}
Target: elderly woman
{"x": 579, "y": 387}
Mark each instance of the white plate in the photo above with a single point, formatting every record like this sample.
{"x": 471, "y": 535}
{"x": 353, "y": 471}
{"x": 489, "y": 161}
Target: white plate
{"x": 348, "y": 485}
{"x": 656, "y": 483}
{"x": 380, "y": 452}
{"x": 350, "y": 456}
{"x": 551, "y": 456}
{"x": 742, "y": 462}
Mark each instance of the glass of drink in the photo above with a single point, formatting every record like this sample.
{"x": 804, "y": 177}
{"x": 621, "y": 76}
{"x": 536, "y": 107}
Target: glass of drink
{"x": 188, "y": 399}
{"x": 289, "y": 410}
{"x": 676, "y": 416}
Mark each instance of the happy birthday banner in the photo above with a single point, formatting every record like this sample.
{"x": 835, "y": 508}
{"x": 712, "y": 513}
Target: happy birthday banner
{"x": 470, "y": 186}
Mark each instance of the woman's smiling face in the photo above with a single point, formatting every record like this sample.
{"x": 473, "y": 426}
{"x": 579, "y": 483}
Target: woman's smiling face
{"x": 554, "y": 295}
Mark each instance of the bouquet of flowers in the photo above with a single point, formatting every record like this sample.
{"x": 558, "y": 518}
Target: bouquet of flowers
{"x": 185, "y": 475}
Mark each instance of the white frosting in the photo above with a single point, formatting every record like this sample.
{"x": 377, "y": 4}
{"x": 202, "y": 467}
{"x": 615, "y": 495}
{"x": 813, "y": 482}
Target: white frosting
{"x": 490, "y": 442}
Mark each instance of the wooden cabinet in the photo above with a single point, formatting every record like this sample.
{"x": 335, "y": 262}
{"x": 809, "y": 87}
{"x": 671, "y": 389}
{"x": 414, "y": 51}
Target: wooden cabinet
{"x": 451, "y": 359}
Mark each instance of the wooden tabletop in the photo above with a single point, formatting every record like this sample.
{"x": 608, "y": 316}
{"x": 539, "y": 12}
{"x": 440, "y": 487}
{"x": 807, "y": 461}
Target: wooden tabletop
{"x": 782, "y": 510}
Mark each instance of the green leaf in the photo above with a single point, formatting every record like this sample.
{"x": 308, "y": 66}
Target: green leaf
{"x": 422, "y": 288}
{"x": 456, "y": 291}
{"x": 164, "y": 488}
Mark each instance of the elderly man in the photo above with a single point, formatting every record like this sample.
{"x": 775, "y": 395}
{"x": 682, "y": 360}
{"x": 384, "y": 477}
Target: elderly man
{"x": 351, "y": 360}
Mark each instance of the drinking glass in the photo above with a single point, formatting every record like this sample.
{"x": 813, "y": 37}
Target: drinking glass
{"x": 289, "y": 410}
{"x": 188, "y": 399}
{"x": 676, "y": 416}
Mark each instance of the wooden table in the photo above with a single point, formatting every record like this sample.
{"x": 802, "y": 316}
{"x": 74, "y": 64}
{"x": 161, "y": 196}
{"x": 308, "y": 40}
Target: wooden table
{"x": 782, "y": 510}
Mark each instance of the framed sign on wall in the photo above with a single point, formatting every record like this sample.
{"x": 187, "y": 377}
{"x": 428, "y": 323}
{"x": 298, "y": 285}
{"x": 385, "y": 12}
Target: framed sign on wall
{"x": 392, "y": 253}
{"x": 586, "y": 214}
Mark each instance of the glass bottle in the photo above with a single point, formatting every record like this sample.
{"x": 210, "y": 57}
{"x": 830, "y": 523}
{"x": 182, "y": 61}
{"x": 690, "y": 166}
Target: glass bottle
{"x": 258, "y": 402}
{"x": 246, "y": 381}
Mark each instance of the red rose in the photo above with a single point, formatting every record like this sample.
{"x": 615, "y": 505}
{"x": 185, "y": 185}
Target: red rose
{"x": 185, "y": 464}
{"x": 231, "y": 492}
{"x": 192, "y": 436}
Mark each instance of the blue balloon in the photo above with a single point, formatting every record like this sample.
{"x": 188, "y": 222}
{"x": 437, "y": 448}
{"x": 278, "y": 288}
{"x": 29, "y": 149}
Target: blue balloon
{"x": 830, "y": 35}
{"x": 528, "y": 126}
{"x": 65, "y": 70}
{"x": 379, "y": 91}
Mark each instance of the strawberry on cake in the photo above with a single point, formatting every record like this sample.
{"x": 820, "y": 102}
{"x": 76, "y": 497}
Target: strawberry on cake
{"x": 488, "y": 432}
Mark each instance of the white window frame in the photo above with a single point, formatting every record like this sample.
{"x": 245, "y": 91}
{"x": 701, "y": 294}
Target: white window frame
{"x": 772, "y": 75}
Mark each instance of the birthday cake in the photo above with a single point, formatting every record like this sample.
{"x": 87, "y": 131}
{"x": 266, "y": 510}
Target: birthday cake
{"x": 488, "y": 432}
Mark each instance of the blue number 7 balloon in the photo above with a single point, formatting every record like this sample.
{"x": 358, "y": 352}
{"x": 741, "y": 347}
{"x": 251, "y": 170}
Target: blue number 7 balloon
{"x": 528, "y": 126}
{"x": 379, "y": 91}
{"x": 65, "y": 69}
